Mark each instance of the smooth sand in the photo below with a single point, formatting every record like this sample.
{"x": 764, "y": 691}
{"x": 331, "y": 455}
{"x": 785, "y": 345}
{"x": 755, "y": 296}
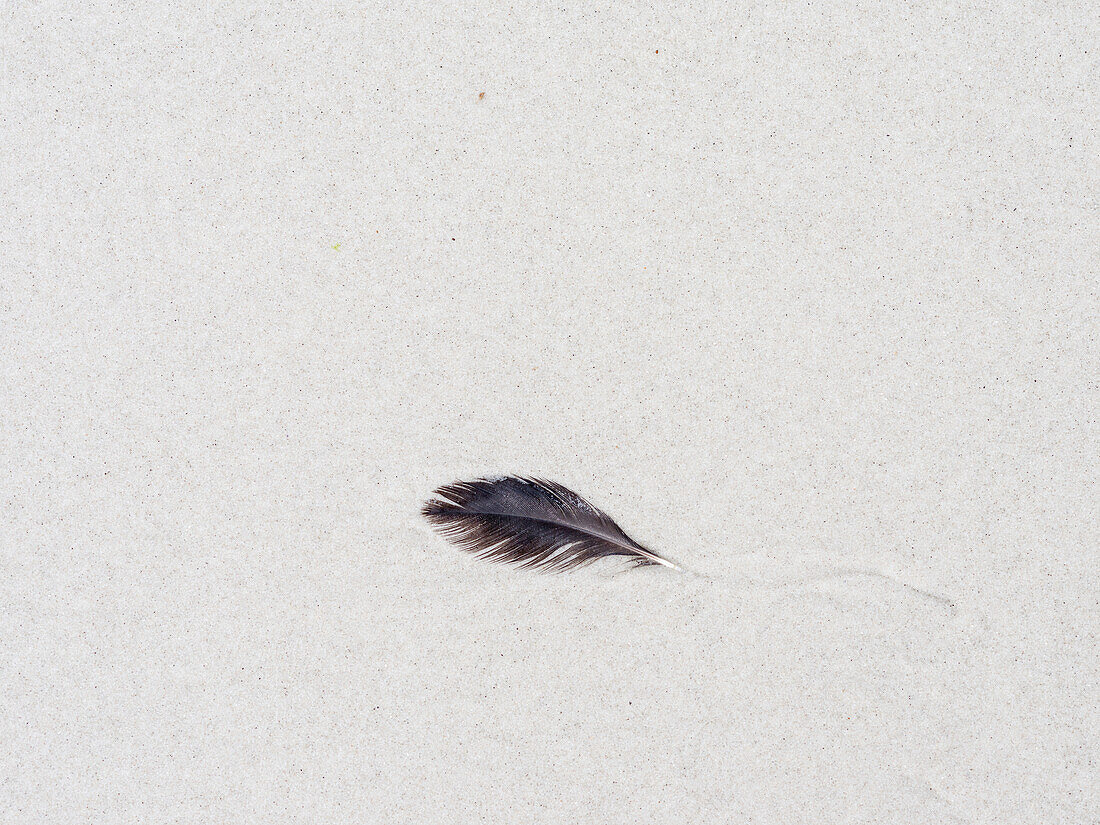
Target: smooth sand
{"x": 804, "y": 295}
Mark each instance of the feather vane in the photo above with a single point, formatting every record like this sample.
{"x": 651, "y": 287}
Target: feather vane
{"x": 530, "y": 523}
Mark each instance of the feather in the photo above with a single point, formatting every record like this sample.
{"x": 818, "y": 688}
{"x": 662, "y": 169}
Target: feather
{"x": 530, "y": 523}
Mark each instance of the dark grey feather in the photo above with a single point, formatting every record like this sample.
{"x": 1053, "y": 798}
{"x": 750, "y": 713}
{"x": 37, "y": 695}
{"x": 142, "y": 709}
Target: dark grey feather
{"x": 530, "y": 523}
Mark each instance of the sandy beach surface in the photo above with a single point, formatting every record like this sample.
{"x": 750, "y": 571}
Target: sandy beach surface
{"x": 804, "y": 296}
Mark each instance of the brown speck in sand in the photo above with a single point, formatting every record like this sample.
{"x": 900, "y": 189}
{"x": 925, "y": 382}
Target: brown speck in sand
{"x": 481, "y": 95}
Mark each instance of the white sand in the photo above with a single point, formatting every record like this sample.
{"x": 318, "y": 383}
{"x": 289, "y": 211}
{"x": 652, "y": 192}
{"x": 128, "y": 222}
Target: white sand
{"x": 790, "y": 290}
